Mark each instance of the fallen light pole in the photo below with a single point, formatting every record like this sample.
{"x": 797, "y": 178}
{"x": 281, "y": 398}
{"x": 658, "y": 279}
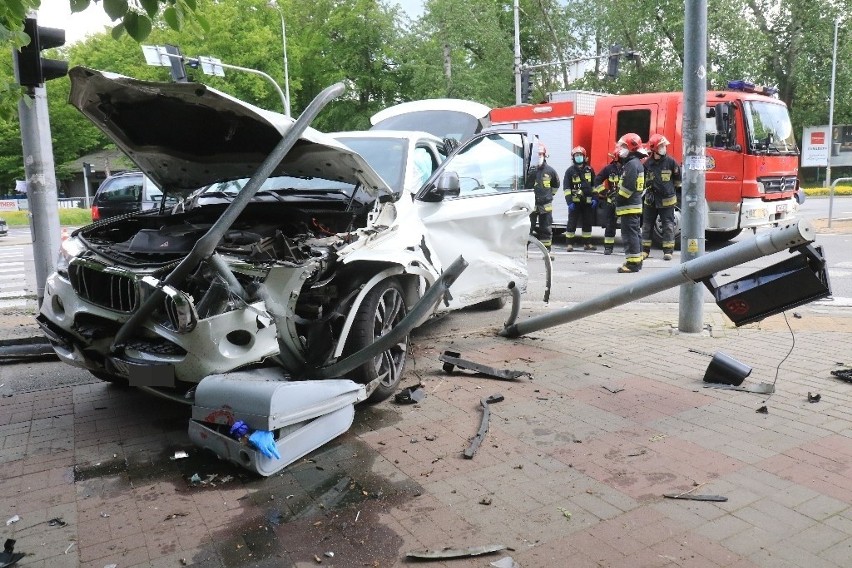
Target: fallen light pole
{"x": 790, "y": 283}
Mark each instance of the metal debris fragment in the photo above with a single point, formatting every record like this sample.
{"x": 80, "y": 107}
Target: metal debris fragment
{"x": 762, "y": 388}
{"x": 613, "y": 390}
{"x": 814, "y": 397}
{"x": 56, "y": 522}
{"x": 483, "y": 425}
{"x": 451, "y": 360}
{"x": 762, "y": 410}
{"x": 696, "y": 497}
{"x": 456, "y": 552}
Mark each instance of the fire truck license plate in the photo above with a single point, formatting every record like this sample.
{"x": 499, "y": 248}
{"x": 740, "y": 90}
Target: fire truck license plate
{"x": 781, "y": 208}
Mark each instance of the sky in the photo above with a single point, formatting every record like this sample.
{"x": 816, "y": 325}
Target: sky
{"x": 57, "y": 14}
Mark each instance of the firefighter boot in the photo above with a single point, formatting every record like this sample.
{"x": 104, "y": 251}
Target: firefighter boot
{"x": 570, "y": 247}
{"x": 630, "y": 267}
{"x": 667, "y": 254}
{"x": 607, "y": 250}
{"x": 589, "y": 246}
{"x": 646, "y": 252}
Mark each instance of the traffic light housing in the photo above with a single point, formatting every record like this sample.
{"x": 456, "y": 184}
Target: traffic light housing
{"x": 612, "y": 62}
{"x": 33, "y": 69}
{"x": 526, "y": 85}
{"x": 178, "y": 70}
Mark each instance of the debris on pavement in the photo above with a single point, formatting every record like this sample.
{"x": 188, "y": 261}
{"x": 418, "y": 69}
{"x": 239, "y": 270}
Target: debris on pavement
{"x": 56, "y": 522}
{"x": 814, "y": 397}
{"x": 843, "y": 374}
{"x": 445, "y": 553}
{"x": 451, "y": 360}
{"x": 483, "y": 425}
{"x": 762, "y": 410}
{"x": 613, "y": 390}
{"x": 505, "y": 562}
{"x": 485, "y": 501}
{"x": 565, "y": 512}
{"x": 410, "y": 395}
{"x": 180, "y": 455}
{"x": 9, "y": 557}
{"x": 12, "y": 520}
{"x": 696, "y": 497}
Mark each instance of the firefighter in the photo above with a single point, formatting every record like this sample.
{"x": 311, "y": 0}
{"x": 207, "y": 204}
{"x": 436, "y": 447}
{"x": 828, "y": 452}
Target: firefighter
{"x": 546, "y": 185}
{"x": 579, "y": 195}
{"x": 606, "y": 186}
{"x": 663, "y": 180}
{"x": 628, "y": 201}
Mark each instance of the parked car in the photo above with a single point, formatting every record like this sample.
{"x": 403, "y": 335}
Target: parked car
{"x": 301, "y": 270}
{"x": 123, "y": 193}
{"x": 4, "y": 228}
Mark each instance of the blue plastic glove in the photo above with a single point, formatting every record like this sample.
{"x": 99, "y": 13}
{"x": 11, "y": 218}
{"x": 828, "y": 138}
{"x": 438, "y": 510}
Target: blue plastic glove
{"x": 594, "y": 203}
{"x": 239, "y": 429}
{"x": 264, "y": 441}
{"x": 571, "y": 206}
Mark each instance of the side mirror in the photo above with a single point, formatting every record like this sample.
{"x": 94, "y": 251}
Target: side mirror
{"x": 448, "y": 184}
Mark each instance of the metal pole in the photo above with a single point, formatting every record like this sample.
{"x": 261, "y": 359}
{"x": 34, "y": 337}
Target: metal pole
{"x": 831, "y": 196}
{"x": 41, "y": 184}
{"x": 831, "y": 111}
{"x": 286, "y": 67}
{"x": 693, "y": 203}
{"x": 516, "y": 10}
{"x": 796, "y": 233}
{"x": 86, "y": 186}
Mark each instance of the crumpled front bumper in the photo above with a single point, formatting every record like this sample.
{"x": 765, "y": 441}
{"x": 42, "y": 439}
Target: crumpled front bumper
{"x": 82, "y": 334}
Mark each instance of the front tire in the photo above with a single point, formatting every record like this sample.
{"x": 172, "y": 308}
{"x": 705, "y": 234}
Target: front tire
{"x": 382, "y": 309}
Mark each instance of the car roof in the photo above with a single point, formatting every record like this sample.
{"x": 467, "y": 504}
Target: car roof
{"x": 187, "y": 135}
{"x": 406, "y": 134}
{"x": 473, "y": 108}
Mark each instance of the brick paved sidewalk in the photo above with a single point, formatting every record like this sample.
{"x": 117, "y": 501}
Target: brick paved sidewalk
{"x": 570, "y": 473}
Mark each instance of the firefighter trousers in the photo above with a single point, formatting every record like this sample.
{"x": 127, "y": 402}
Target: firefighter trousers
{"x": 650, "y": 212}
{"x": 544, "y": 231}
{"x": 583, "y": 214}
{"x": 631, "y": 236}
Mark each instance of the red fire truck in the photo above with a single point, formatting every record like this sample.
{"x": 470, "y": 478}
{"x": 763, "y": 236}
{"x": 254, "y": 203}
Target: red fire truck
{"x": 751, "y": 165}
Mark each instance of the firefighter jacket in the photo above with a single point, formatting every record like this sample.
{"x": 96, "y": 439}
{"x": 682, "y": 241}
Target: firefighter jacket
{"x": 546, "y": 184}
{"x": 578, "y": 184}
{"x": 628, "y": 200}
{"x": 606, "y": 182}
{"x": 662, "y": 178}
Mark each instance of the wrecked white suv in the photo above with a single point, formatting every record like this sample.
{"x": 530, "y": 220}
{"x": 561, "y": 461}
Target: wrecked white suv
{"x": 309, "y": 262}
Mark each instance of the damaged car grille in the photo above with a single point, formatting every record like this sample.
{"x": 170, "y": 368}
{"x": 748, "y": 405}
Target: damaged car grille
{"x": 104, "y": 286}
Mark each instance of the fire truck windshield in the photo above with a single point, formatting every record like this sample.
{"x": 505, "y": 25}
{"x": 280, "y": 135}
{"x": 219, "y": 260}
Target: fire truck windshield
{"x": 768, "y": 129}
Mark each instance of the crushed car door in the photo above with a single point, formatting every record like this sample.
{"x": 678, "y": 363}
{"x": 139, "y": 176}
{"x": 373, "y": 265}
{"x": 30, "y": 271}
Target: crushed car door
{"x": 486, "y": 219}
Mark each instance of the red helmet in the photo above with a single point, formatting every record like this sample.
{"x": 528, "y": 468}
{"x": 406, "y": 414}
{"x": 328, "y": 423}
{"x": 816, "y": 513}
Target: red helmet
{"x": 656, "y": 141}
{"x": 631, "y": 141}
{"x": 579, "y": 150}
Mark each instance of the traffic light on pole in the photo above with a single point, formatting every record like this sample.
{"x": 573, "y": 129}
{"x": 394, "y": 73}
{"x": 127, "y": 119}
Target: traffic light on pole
{"x": 33, "y": 69}
{"x": 526, "y": 85}
{"x": 612, "y": 63}
{"x": 178, "y": 70}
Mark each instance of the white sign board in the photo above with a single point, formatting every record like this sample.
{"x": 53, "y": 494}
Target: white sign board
{"x": 8, "y": 204}
{"x": 815, "y": 147}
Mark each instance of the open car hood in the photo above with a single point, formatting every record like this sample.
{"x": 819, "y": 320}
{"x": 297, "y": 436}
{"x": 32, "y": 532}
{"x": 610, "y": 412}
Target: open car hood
{"x": 187, "y": 135}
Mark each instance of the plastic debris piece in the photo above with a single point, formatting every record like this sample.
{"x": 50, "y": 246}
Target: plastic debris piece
{"x": 105, "y": 515}
{"x": 762, "y": 410}
{"x": 329, "y": 554}
{"x": 9, "y": 557}
{"x": 410, "y": 395}
{"x": 483, "y": 425}
{"x": 110, "y": 565}
{"x": 264, "y": 441}
{"x": 195, "y": 478}
{"x": 843, "y": 374}
{"x": 505, "y": 562}
{"x": 565, "y": 512}
{"x": 613, "y": 390}
{"x": 814, "y": 397}
{"x": 696, "y": 497}
{"x": 451, "y": 360}
{"x": 12, "y": 520}
{"x": 56, "y": 522}
{"x": 179, "y": 455}
{"x": 239, "y": 429}
{"x": 456, "y": 552}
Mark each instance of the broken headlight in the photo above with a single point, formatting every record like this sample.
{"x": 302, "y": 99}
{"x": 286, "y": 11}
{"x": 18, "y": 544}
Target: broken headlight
{"x": 68, "y": 250}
